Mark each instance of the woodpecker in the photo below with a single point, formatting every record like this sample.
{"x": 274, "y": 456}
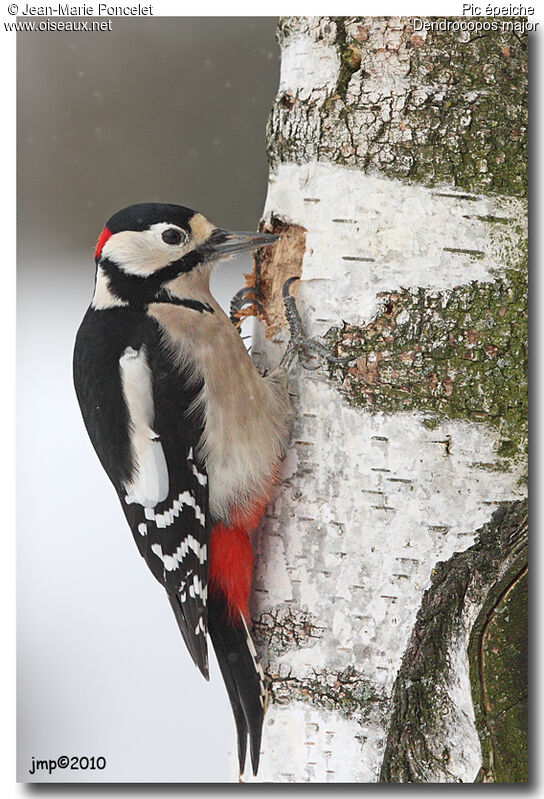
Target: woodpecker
{"x": 189, "y": 432}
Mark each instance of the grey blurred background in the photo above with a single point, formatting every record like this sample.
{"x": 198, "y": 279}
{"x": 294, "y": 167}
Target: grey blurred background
{"x": 170, "y": 110}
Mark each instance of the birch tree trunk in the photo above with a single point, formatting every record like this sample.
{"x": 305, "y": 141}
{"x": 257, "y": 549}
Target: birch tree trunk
{"x": 398, "y": 180}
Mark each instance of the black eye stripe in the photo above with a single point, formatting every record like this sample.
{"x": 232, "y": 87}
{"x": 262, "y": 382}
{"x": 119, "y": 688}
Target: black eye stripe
{"x": 173, "y": 236}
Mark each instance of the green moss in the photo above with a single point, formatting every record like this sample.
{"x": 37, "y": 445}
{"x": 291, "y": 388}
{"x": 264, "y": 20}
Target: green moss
{"x": 456, "y": 354}
{"x": 350, "y": 60}
{"x": 505, "y": 674}
{"x": 498, "y": 658}
{"x": 497, "y": 466}
{"x": 476, "y": 134}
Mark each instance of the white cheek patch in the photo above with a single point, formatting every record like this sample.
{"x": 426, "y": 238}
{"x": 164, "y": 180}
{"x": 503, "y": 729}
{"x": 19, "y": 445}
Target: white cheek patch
{"x": 142, "y": 252}
{"x": 150, "y": 482}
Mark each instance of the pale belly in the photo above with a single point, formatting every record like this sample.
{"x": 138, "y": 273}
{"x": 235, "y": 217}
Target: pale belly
{"x": 246, "y": 415}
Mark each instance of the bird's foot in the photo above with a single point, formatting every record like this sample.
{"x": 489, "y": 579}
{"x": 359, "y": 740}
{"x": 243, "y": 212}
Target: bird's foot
{"x": 245, "y": 303}
{"x": 310, "y": 351}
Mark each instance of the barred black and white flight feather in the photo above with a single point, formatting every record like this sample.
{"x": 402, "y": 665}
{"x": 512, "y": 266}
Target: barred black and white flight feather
{"x": 136, "y": 404}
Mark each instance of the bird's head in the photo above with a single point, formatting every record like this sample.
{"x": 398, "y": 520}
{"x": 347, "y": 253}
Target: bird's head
{"x": 144, "y": 247}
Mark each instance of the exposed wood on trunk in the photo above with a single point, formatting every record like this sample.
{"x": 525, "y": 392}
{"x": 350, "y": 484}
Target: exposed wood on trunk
{"x": 273, "y": 267}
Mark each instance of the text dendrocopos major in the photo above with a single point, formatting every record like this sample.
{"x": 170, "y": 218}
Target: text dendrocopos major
{"x": 188, "y": 431}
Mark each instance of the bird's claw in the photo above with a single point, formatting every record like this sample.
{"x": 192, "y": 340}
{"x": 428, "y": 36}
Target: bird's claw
{"x": 299, "y": 344}
{"x": 242, "y": 298}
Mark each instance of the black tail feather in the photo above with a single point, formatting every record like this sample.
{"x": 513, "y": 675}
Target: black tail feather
{"x": 195, "y": 638}
{"x": 238, "y": 712}
{"x": 242, "y": 676}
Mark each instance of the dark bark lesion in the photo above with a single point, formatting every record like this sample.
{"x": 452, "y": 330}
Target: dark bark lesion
{"x": 478, "y": 577}
{"x": 280, "y": 630}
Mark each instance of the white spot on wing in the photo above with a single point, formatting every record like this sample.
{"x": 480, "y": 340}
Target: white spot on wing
{"x": 163, "y": 520}
{"x": 198, "y": 589}
{"x": 202, "y": 479}
{"x": 200, "y": 626}
{"x": 171, "y": 562}
{"x": 187, "y": 499}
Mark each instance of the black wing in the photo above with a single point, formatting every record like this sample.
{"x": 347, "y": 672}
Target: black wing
{"x": 173, "y": 533}
{"x": 173, "y": 537}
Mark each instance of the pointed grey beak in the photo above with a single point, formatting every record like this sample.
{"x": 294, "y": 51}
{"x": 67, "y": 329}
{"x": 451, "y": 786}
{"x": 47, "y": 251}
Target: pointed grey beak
{"x": 223, "y": 243}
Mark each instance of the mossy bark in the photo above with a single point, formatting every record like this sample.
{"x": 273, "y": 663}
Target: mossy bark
{"x": 460, "y": 354}
{"x": 498, "y": 662}
{"x": 474, "y": 580}
{"x": 436, "y": 107}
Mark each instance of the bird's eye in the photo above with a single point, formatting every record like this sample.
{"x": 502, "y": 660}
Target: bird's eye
{"x": 172, "y": 236}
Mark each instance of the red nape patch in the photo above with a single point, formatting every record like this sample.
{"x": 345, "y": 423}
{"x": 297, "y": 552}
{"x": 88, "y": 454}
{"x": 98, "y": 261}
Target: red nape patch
{"x": 231, "y": 566}
{"x": 102, "y": 239}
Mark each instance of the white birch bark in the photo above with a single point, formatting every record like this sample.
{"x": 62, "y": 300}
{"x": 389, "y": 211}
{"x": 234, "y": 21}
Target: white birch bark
{"x": 372, "y": 497}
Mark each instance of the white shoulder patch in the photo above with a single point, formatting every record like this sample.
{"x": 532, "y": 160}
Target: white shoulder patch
{"x": 150, "y": 482}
